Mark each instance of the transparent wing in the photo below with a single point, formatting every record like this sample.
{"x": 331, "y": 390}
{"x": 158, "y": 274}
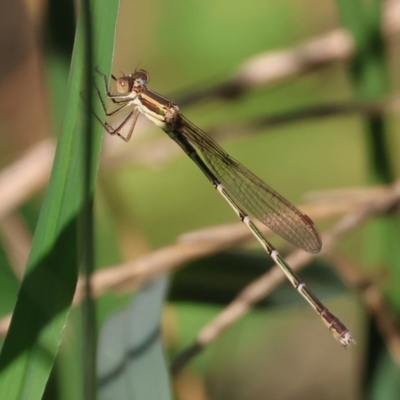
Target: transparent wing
{"x": 253, "y": 194}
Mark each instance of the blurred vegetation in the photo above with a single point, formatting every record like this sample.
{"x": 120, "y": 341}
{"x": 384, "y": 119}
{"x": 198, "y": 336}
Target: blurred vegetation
{"x": 280, "y": 350}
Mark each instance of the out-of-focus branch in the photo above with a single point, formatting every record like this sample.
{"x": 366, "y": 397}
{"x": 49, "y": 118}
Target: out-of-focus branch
{"x": 206, "y": 242}
{"x": 209, "y": 241}
{"x": 130, "y": 275}
{"x": 18, "y": 182}
{"x": 16, "y": 241}
{"x": 389, "y": 105}
{"x": 269, "y": 67}
{"x": 26, "y": 176}
{"x": 374, "y": 301}
{"x": 276, "y": 66}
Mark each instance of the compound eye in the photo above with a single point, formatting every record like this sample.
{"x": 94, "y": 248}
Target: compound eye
{"x": 142, "y": 76}
{"x": 122, "y": 85}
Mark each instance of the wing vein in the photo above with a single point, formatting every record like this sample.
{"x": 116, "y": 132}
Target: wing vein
{"x": 254, "y": 195}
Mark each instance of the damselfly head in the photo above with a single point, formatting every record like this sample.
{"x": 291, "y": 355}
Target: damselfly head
{"x": 132, "y": 82}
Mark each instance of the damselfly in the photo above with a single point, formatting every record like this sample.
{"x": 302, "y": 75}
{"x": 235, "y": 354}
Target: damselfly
{"x": 240, "y": 188}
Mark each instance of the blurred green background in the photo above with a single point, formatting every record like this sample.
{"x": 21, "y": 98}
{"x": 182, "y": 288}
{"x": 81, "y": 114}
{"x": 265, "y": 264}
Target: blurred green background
{"x": 281, "y": 350}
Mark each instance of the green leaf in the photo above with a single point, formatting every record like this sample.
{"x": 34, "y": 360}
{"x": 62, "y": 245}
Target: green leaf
{"x": 49, "y": 283}
{"x": 131, "y": 357}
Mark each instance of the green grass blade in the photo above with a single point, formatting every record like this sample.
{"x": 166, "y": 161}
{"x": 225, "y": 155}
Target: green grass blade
{"x": 369, "y": 76}
{"x": 370, "y": 81}
{"x": 86, "y": 227}
{"x": 49, "y": 283}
